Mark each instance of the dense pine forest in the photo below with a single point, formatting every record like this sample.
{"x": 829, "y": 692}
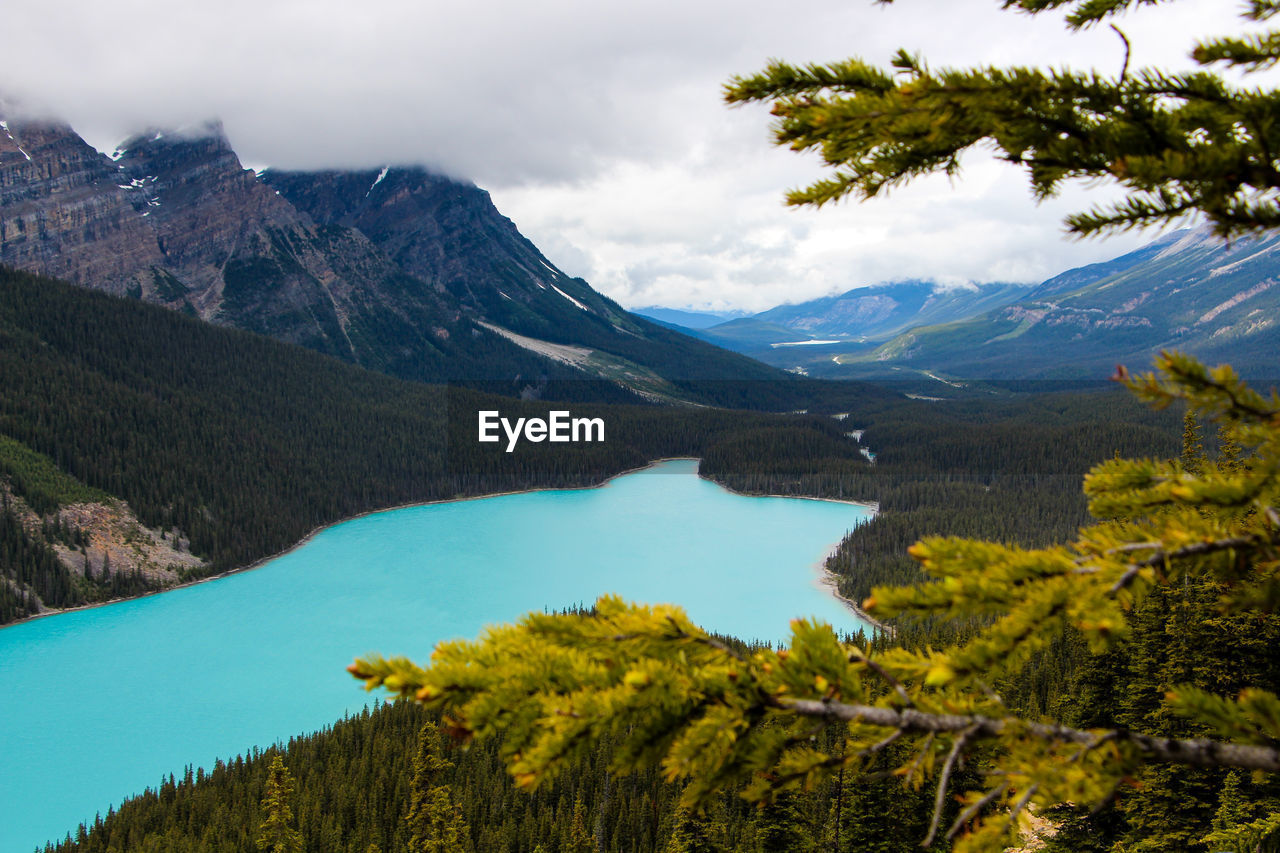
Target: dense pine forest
{"x": 236, "y": 446}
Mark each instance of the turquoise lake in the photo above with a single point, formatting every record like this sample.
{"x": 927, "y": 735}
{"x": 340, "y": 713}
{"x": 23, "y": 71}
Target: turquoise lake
{"x": 98, "y": 704}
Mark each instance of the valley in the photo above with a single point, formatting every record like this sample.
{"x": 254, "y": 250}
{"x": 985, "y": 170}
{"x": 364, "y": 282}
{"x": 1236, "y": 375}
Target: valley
{"x": 910, "y": 571}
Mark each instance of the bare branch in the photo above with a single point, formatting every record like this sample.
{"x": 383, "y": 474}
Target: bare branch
{"x": 1185, "y": 551}
{"x": 881, "y": 745}
{"x": 1198, "y": 752}
{"x": 1124, "y": 69}
{"x": 1104, "y": 737}
{"x": 972, "y": 809}
{"x": 944, "y": 782}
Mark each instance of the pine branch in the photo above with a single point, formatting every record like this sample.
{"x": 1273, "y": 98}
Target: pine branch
{"x": 1162, "y": 556}
{"x": 856, "y": 656}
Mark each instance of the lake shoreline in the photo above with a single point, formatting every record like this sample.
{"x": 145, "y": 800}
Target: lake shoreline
{"x": 265, "y": 648}
{"x": 830, "y": 581}
{"x": 315, "y": 531}
{"x": 827, "y": 581}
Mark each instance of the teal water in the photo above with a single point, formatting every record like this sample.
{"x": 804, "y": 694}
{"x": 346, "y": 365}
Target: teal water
{"x": 98, "y": 704}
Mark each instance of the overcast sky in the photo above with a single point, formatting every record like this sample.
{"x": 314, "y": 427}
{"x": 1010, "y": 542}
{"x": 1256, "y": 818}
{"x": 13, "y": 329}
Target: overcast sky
{"x": 597, "y": 125}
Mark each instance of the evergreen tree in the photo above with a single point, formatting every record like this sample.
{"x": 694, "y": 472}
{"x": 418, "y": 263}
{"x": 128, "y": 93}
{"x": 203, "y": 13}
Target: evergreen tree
{"x": 579, "y": 840}
{"x": 277, "y": 833}
{"x": 780, "y": 826}
{"x": 1230, "y": 453}
{"x": 692, "y": 832}
{"x": 1192, "y": 456}
{"x": 878, "y": 814}
{"x": 435, "y": 823}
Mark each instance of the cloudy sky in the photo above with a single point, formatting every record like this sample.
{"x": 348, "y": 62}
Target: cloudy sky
{"x": 597, "y": 125}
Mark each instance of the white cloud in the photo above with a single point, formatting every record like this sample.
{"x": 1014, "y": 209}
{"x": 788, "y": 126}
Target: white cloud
{"x": 597, "y": 126}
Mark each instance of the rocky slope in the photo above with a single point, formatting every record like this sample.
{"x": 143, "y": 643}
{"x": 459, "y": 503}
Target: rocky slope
{"x": 111, "y": 540}
{"x": 66, "y": 210}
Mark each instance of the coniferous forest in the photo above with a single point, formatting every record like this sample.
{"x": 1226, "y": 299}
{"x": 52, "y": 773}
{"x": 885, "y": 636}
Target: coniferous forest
{"x": 356, "y": 783}
{"x": 237, "y": 445}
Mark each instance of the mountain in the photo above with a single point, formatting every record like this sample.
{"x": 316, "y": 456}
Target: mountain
{"x": 804, "y": 337}
{"x": 748, "y": 334}
{"x": 1188, "y": 291}
{"x": 400, "y": 270}
{"x": 881, "y": 311}
{"x": 686, "y": 319}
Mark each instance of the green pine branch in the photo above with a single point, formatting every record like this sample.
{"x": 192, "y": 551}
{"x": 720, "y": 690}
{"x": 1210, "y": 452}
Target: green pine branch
{"x": 1178, "y": 144}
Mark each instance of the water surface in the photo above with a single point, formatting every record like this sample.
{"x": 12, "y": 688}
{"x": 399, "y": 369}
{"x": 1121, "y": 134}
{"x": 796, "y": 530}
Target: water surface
{"x": 98, "y": 704}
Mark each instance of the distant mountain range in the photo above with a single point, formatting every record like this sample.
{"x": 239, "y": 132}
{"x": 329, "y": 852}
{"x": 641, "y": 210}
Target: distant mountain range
{"x": 791, "y": 336}
{"x": 419, "y": 276}
{"x": 687, "y": 319}
{"x": 396, "y": 269}
{"x": 881, "y": 311}
{"x": 1187, "y": 290}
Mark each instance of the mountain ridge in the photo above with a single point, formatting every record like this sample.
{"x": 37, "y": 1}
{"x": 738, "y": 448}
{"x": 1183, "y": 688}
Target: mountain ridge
{"x": 1185, "y": 290}
{"x": 800, "y": 336}
{"x": 390, "y": 269}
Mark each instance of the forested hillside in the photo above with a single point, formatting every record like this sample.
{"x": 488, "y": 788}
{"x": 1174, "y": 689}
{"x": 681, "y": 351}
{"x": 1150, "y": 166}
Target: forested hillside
{"x": 1006, "y": 468}
{"x": 234, "y": 446}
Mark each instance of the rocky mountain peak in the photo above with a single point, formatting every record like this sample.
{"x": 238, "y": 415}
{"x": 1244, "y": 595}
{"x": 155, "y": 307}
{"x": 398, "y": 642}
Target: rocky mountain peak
{"x": 64, "y": 209}
{"x": 180, "y": 172}
{"x": 395, "y": 268}
{"x": 445, "y": 232}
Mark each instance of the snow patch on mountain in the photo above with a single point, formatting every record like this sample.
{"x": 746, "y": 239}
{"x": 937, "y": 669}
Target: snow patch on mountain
{"x": 570, "y": 298}
{"x": 379, "y": 179}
